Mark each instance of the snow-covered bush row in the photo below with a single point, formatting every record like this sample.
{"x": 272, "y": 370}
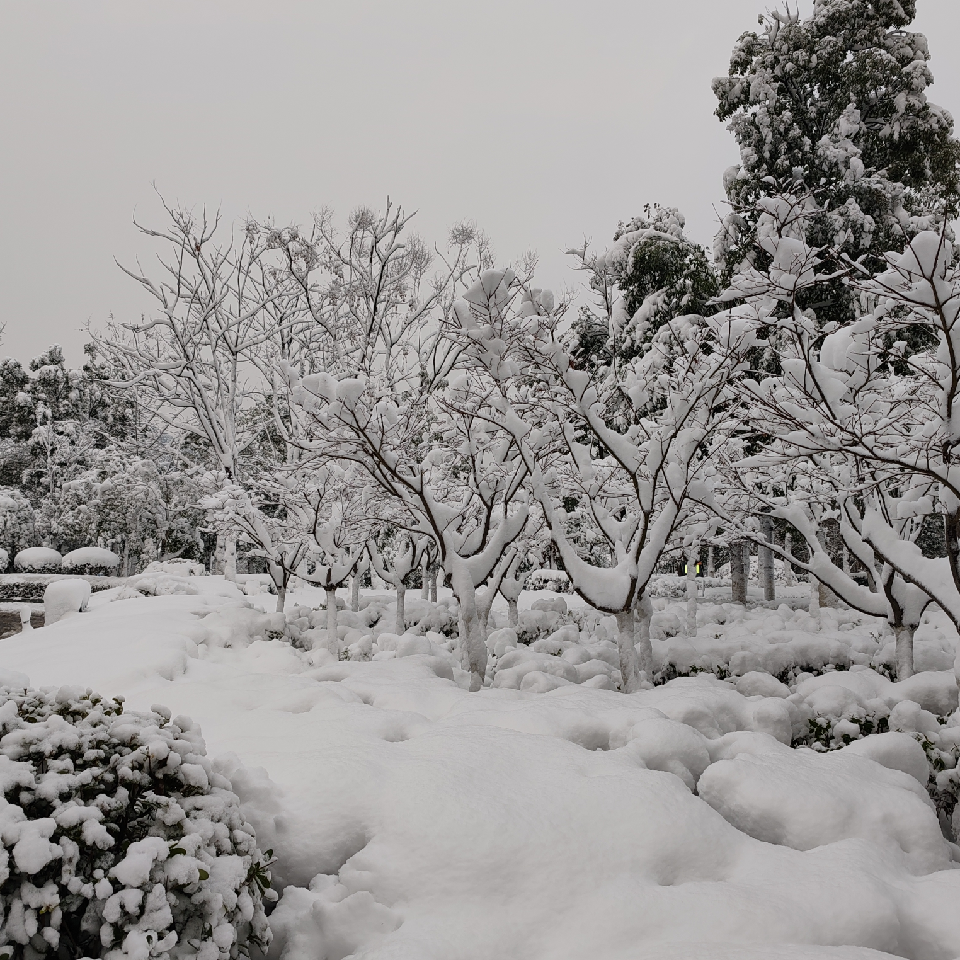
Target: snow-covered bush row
{"x": 37, "y": 560}
{"x": 93, "y": 561}
{"x": 118, "y": 838}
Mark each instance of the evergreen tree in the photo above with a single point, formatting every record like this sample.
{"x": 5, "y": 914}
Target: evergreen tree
{"x": 653, "y": 272}
{"x": 836, "y": 105}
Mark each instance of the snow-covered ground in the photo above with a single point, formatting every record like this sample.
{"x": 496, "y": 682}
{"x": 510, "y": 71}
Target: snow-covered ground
{"x": 548, "y": 815}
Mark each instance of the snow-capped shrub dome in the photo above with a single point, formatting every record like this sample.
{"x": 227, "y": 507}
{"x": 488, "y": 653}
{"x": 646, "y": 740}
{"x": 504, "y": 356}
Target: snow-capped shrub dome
{"x": 37, "y": 560}
{"x": 117, "y": 839}
{"x": 93, "y": 561}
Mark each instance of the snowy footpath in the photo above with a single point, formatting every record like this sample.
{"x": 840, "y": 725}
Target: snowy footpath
{"x": 550, "y": 816}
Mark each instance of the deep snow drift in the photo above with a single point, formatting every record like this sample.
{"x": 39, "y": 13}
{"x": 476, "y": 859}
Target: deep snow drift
{"x": 550, "y": 816}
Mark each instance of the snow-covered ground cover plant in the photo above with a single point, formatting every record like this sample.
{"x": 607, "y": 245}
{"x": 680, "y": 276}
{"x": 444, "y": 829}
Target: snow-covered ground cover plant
{"x": 800, "y": 807}
{"x": 119, "y": 838}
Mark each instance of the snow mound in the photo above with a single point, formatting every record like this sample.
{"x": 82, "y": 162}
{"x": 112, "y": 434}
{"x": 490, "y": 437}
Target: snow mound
{"x": 805, "y": 800}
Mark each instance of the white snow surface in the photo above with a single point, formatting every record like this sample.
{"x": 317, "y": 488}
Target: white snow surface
{"x": 551, "y": 818}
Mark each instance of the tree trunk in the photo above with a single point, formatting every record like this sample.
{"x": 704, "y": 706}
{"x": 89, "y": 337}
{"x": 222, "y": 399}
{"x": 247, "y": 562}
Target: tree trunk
{"x": 513, "y": 612}
{"x": 904, "y": 634}
{"x": 814, "y": 607}
{"x": 333, "y": 641}
{"x": 126, "y": 557}
{"x": 473, "y": 642}
{"x": 711, "y": 568}
{"x": 643, "y": 646}
{"x": 765, "y": 558}
{"x": 846, "y": 560}
{"x": 425, "y": 579}
{"x": 281, "y": 598}
{"x": 693, "y": 555}
{"x": 787, "y": 564}
{"x": 400, "y": 624}
{"x": 355, "y": 592}
{"x": 737, "y": 575}
{"x": 230, "y": 557}
{"x": 626, "y": 640}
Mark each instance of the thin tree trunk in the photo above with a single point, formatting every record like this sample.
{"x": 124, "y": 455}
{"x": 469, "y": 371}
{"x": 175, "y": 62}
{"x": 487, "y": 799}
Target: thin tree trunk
{"x": 765, "y": 558}
{"x": 626, "y": 641}
{"x": 281, "y": 598}
{"x": 904, "y": 650}
{"x": 230, "y": 557}
{"x": 333, "y": 641}
{"x": 737, "y": 575}
{"x": 425, "y": 580}
{"x": 711, "y": 568}
{"x": 693, "y": 555}
{"x": 513, "y": 612}
{"x": 400, "y": 623}
{"x": 814, "y": 607}
{"x": 788, "y": 577}
{"x": 355, "y": 592}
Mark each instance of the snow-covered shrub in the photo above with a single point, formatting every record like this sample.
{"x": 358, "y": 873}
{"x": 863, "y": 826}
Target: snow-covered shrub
{"x": 65, "y": 597}
{"x": 556, "y": 580}
{"x": 92, "y": 561}
{"x": 117, "y": 838}
{"x": 4, "y": 559}
{"x": 37, "y": 560}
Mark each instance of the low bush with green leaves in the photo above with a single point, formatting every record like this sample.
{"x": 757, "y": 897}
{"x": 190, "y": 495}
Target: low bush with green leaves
{"x": 117, "y": 838}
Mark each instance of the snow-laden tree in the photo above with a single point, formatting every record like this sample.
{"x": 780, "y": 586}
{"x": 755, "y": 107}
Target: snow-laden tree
{"x": 17, "y": 522}
{"x": 835, "y": 104}
{"x": 635, "y": 481}
{"x": 381, "y": 402}
{"x": 652, "y": 273}
{"x": 195, "y": 362}
{"x": 871, "y": 418}
{"x": 256, "y": 515}
{"x": 397, "y": 566}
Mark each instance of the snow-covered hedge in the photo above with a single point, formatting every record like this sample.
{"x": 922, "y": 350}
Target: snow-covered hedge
{"x": 117, "y": 838}
{"x": 92, "y": 561}
{"x": 37, "y": 560}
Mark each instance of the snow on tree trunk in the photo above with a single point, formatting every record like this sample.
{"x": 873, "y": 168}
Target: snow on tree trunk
{"x": 333, "y": 641}
{"x": 513, "y": 612}
{"x": 626, "y": 640}
{"x": 355, "y": 592}
{"x": 814, "y": 607}
{"x": 737, "y": 574}
{"x": 434, "y": 574}
{"x": 711, "y": 568}
{"x": 693, "y": 555}
{"x": 788, "y": 577}
{"x": 230, "y": 557}
{"x": 473, "y": 642}
{"x": 644, "y": 614}
{"x": 765, "y": 560}
{"x": 25, "y": 623}
{"x": 425, "y": 579}
{"x": 904, "y": 650}
{"x": 281, "y": 598}
{"x": 400, "y": 622}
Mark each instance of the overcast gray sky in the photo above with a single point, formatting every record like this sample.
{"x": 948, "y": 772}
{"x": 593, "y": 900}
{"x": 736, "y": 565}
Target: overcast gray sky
{"x": 543, "y": 120}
